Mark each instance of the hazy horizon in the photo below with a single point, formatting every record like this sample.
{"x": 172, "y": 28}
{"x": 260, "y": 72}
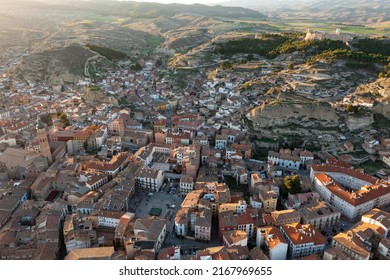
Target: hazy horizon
{"x": 236, "y": 3}
{"x": 204, "y": 2}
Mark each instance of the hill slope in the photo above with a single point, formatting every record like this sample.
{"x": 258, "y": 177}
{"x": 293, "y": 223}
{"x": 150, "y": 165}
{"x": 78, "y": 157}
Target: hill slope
{"x": 150, "y": 10}
{"x": 353, "y": 11}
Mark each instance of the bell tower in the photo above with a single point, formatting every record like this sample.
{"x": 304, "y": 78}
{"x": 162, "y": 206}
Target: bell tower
{"x": 43, "y": 141}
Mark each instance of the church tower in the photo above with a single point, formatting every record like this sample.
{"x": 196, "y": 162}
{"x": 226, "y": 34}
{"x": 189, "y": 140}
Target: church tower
{"x": 121, "y": 127}
{"x": 43, "y": 141}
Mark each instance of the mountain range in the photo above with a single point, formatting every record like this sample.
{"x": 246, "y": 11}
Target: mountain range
{"x": 143, "y": 9}
{"x": 352, "y": 11}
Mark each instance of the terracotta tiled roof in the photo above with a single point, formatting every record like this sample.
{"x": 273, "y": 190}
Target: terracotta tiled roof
{"x": 352, "y": 243}
{"x": 301, "y": 234}
{"x": 257, "y": 254}
{"x": 274, "y": 237}
{"x": 379, "y": 216}
{"x": 338, "y": 168}
{"x": 355, "y": 198}
{"x": 244, "y": 219}
{"x": 234, "y": 236}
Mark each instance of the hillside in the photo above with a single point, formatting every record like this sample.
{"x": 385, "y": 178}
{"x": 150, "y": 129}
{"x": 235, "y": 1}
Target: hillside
{"x": 57, "y": 66}
{"x": 352, "y": 11}
{"x": 294, "y": 116}
{"x": 37, "y": 31}
{"x": 347, "y": 11}
{"x": 264, "y": 4}
{"x": 131, "y": 31}
{"x": 149, "y": 10}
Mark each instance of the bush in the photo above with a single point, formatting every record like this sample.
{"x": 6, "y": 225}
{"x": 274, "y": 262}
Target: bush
{"x": 348, "y": 55}
{"x": 352, "y": 109}
{"x": 110, "y": 54}
{"x": 292, "y": 184}
{"x": 226, "y": 65}
{"x": 272, "y": 45}
{"x": 373, "y": 46}
{"x": 136, "y": 67}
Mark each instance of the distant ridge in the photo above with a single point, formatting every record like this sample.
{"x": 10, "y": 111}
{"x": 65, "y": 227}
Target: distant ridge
{"x": 353, "y": 11}
{"x": 148, "y": 9}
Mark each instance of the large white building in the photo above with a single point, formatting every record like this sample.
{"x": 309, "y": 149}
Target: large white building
{"x": 290, "y": 159}
{"x": 352, "y": 204}
{"x": 284, "y": 160}
{"x": 303, "y": 240}
{"x": 109, "y": 219}
{"x": 343, "y": 174}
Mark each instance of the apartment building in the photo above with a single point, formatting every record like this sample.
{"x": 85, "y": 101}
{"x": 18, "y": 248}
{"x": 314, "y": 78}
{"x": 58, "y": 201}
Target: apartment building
{"x": 352, "y": 204}
{"x": 286, "y": 217}
{"x": 320, "y": 214}
{"x": 150, "y": 179}
{"x": 186, "y": 185}
{"x": 303, "y": 240}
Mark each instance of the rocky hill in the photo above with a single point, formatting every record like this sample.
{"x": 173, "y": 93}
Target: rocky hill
{"x": 35, "y": 33}
{"x": 95, "y": 96}
{"x": 57, "y": 66}
{"x": 378, "y": 90}
{"x": 297, "y": 117}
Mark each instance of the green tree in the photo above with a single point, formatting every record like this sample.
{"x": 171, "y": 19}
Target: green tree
{"x": 351, "y": 108}
{"x": 226, "y": 65}
{"x": 249, "y": 57}
{"x": 246, "y": 86}
{"x": 85, "y": 145}
{"x": 109, "y": 53}
{"x": 63, "y": 118}
{"x": 136, "y": 67}
{"x": 292, "y": 184}
{"x": 159, "y": 62}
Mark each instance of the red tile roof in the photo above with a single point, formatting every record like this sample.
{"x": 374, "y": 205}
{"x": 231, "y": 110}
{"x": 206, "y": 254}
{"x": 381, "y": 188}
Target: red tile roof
{"x": 337, "y": 167}
{"x": 274, "y": 237}
{"x": 301, "y": 234}
{"x": 365, "y": 194}
{"x": 244, "y": 219}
